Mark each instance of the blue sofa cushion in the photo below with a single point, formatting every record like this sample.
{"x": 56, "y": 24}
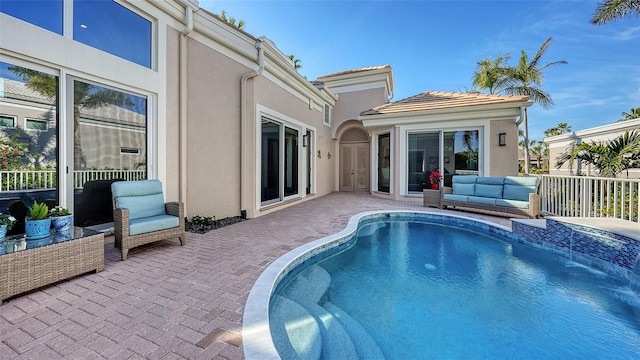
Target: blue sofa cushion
{"x": 143, "y": 198}
{"x": 454, "y": 197}
{"x": 153, "y": 223}
{"x": 482, "y": 200}
{"x": 464, "y": 184}
{"x": 489, "y": 191}
{"x": 489, "y": 180}
{"x": 519, "y": 187}
{"x": 513, "y": 203}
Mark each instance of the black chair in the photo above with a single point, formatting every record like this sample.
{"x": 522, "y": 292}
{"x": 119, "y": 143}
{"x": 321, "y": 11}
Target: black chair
{"x": 95, "y": 205}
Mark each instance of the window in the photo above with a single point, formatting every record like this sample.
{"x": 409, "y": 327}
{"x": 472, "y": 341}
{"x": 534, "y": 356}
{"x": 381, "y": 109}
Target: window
{"x": 111, "y": 135}
{"x": 29, "y": 159}
{"x": 384, "y": 162}
{"x": 33, "y": 124}
{"x": 7, "y": 121}
{"x": 279, "y": 161}
{"x": 460, "y": 153}
{"x": 109, "y": 26}
{"x": 327, "y": 115}
{"x": 423, "y": 155}
{"x": 45, "y": 14}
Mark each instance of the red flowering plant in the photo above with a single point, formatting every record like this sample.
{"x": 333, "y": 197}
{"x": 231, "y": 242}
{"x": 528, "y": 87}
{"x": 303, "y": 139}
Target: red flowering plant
{"x": 435, "y": 177}
{"x": 11, "y": 154}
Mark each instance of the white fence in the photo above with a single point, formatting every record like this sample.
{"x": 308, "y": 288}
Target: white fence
{"x": 46, "y": 179}
{"x": 590, "y": 197}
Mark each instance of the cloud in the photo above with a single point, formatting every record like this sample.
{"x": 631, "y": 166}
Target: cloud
{"x": 629, "y": 34}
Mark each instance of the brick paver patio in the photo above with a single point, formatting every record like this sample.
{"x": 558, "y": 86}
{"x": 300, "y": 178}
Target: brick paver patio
{"x": 168, "y": 301}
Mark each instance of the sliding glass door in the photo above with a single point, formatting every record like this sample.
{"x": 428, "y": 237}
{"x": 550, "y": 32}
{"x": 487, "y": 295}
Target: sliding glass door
{"x": 279, "y": 165}
{"x": 109, "y": 144}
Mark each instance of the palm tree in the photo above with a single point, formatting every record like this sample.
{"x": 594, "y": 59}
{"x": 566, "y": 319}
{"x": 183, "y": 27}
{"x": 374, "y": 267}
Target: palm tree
{"x": 634, "y": 113}
{"x": 609, "y": 158}
{"x": 610, "y": 10}
{"x": 561, "y": 128}
{"x": 491, "y": 74}
{"x": 85, "y": 96}
{"x": 231, "y": 20}
{"x": 296, "y": 62}
{"x": 526, "y": 79}
{"x": 539, "y": 149}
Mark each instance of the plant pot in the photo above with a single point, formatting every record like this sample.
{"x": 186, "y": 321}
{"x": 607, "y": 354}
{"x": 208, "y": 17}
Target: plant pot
{"x": 435, "y": 186}
{"x": 37, "y": 229}
{"x": 62, "y": 223}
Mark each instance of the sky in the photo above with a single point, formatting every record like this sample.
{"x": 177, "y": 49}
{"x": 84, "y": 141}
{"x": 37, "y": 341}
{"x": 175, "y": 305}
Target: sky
{"x": 435, "y": 46}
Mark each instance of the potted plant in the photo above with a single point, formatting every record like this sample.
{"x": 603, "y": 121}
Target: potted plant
{"x": 435, "y": 177}
{"x": 38, "y": 222}
{"x": 6, "y": 223}
{"x": 61, "y": 218}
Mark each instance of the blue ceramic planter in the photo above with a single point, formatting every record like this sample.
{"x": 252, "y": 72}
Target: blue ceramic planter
{"x": 62, "y": 223}
{"x": 37, "y": 229}
{"x": 3, "y": 232}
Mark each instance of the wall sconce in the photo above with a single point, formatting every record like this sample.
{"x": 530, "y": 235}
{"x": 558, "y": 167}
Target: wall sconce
{"x": 305, "y": 140}
{"x": 502, "y": 139}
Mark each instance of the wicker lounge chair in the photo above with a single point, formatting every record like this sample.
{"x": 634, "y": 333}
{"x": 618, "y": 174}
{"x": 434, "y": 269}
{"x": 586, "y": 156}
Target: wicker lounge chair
{"x": 141, "y": 216}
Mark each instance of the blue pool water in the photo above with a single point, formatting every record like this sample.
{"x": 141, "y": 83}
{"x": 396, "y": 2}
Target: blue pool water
{"x": 408, "y": 289}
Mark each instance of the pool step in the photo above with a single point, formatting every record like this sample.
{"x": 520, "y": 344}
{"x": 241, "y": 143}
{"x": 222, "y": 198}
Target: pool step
{"x": 366, "y": 347}
{"x": 295, "y": 330}
{"x": 309, "y": 287}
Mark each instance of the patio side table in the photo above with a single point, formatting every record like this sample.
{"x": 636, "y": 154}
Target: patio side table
{"x": 432, "y": 198}
{"x": 26, "y": 265}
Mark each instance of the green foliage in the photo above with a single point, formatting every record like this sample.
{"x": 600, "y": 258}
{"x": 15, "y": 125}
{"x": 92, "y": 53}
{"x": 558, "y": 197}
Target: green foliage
{"x": 634, "y": 113}
{"x": 59, "y": 211}
{"x": 609, "y": 158}
{"x": 38, "y": 211}
{"x": 202, "y": 220}
{"x": 239, "y": 24}
{"x": 559, "y": 129}
{"x": 8, "y": 220}
{"x": 610, "y": 10}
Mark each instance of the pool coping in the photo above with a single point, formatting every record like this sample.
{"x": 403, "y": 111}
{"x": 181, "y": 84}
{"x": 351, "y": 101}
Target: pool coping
{"x": 256, "y": 334}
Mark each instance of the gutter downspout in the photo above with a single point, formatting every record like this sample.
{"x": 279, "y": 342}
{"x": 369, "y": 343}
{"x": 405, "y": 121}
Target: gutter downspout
{"x": 243, "y": 124}
{"x": 183, "y": 97}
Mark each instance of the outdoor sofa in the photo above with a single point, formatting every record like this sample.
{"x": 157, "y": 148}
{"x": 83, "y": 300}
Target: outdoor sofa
{"x": 141, "y": 216}
{"x": 512, "y": 196}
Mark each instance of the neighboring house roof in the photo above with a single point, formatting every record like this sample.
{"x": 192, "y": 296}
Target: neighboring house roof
{"x": 437, "y": 100}
{"x": 353, "y": 71}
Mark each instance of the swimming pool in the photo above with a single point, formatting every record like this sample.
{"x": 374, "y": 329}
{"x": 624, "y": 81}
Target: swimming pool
{"x": 437, "y": 291}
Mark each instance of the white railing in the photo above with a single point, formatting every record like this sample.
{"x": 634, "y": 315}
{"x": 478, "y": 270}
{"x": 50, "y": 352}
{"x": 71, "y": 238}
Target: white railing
{"x": 82, "y": 176}
{"x": 46, "y": 179}
{"x": 586, "y": 196}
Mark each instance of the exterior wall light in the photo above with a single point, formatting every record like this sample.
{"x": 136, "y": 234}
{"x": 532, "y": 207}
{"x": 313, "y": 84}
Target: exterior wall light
{"x": 502, "y": 139}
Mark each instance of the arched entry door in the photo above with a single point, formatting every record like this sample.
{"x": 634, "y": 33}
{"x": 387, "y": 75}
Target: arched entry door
{"x": 354, "y": 161}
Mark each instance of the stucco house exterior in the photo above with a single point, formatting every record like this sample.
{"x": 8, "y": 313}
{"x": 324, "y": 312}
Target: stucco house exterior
{"x": 561, "y": 143}
{"x": 223, "y": 118}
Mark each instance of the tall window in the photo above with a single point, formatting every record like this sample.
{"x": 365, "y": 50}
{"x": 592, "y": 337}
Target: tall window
{"x": 460, "y": 153}
{"x": 105, "y": 121}
{"x": 28, "y": 159}
{"x": 423, "y": 158}
{"x": 384, "y": 162}
{"x": 279, "y": 162}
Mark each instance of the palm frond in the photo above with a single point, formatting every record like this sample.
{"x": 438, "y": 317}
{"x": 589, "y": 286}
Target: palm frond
{"x": 610, "y": 10}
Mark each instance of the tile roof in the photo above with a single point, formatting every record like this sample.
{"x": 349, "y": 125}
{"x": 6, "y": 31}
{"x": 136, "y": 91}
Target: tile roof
{"x": 436, "y": 100}
{"x": 353, "y": 71}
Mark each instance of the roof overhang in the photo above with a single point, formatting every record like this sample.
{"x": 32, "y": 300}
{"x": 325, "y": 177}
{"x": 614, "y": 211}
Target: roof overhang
{"x": 357, "y": 80}
{"x": 508, "y": 111}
